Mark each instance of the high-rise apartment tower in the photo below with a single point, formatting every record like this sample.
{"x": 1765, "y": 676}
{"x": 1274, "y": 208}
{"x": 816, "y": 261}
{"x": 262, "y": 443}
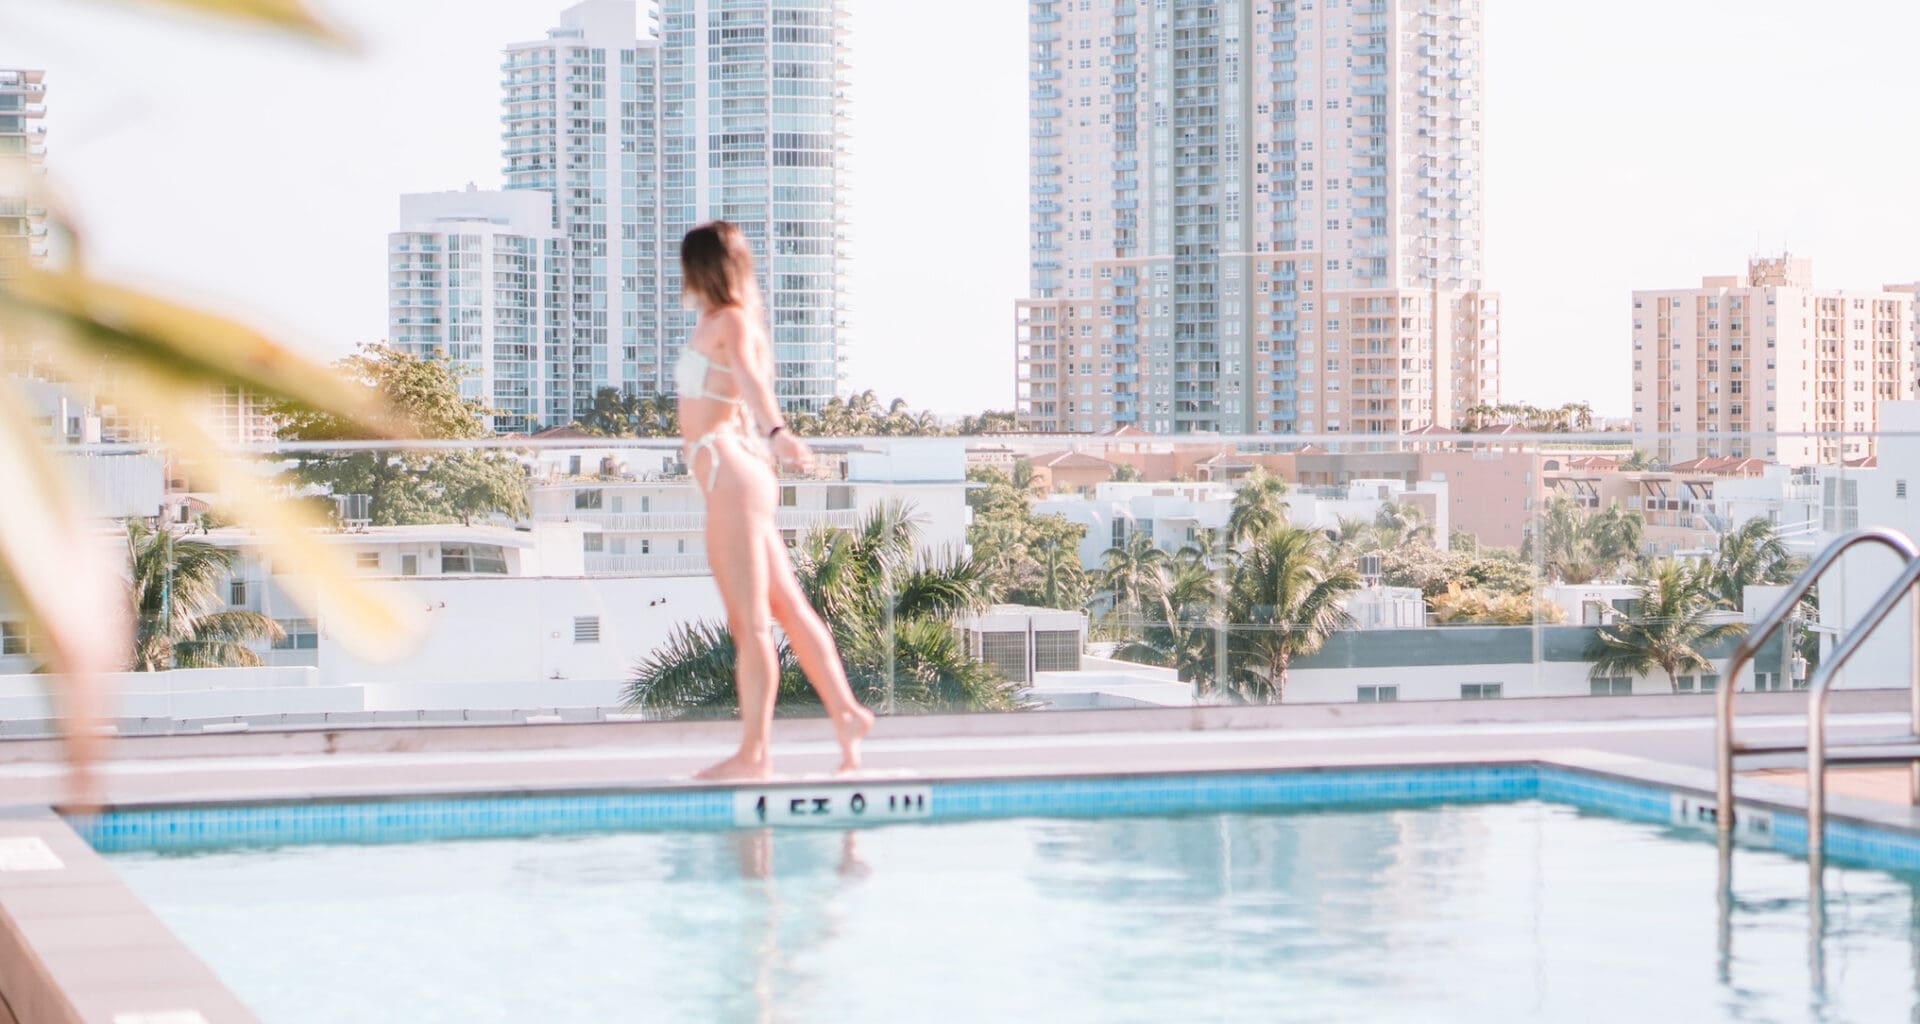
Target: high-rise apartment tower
{"x": 731, "y": 109}
{"x": 1738, "y": 360}
{"x": 23, "y": 105}
{"x": 1255, "y": 216}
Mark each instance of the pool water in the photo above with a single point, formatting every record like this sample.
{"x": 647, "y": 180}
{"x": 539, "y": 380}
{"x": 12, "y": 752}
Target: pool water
{"x": 1471, "y": 912}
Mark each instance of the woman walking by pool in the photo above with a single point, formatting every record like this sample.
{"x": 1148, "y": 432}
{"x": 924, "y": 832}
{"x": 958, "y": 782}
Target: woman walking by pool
{"x": 726, "y": 408}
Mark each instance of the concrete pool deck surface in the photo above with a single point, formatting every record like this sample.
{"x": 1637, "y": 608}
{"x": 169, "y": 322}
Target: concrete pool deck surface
{"x": 77, "y": 945}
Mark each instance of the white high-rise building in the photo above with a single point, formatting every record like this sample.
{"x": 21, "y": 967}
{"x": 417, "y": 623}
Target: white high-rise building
{"x": 475, "y": 277}
{"x": 731, "y": 109}
{"x": 1255, "y": 216}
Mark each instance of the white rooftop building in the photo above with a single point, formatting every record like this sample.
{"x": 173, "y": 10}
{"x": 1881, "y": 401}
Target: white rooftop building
{"x": 642, "y": 515}
{"x": 1175, "y": 514}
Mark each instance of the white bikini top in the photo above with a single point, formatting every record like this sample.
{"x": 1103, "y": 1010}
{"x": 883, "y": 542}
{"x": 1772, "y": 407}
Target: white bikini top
{"x": 692, "y": 376}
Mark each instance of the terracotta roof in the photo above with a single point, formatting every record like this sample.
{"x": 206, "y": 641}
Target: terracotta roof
{"x": 1069, "y": 460}
{"x": 1432, "y": 428}
{"x": 1127, "y": 430}
{"x": 1225, "y": 459}
{"x": 1721, "y": 466}
{"x": 563, "y": 433}
{"x": 1869, "y": 462}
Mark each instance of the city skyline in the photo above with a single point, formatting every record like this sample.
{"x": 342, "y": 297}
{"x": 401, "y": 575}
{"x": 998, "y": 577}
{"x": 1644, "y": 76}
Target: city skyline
{"x": 630, "y": 129}
{"x": 1584, "y": 206}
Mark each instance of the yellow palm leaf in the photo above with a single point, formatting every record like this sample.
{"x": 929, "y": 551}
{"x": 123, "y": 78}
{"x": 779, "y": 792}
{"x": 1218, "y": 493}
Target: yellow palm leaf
{"x": 59, "y": 572}
{"x": 146, "y": 334}
{"x": 287, "y": 15}
{"x": 315, "y": 574}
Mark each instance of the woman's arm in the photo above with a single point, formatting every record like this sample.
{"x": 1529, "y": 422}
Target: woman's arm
{"x": 750, "y": 375}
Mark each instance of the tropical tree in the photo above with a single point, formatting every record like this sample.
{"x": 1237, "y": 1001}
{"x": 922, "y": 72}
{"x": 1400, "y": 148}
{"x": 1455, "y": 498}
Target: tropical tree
{"x": 1258, "y": 506}
{"x": 1182, "y": 616}
{"x": 180, "y": 616}
{"x": 1284, "y": 602}
{"x": 408, "y": 487}
{"x": 1672, "y": 627}
{"x": 1126, "y": 573}
{"x": 886, "y": 609}
{"x": 1352, "y": 536}
{"x": 1577, "y": 546}
{"x": 1399, "y": 523}
{"x": 1031, "y": 559}
{"x": 1751, "y": 555}
{"x": 1472, "y": 607}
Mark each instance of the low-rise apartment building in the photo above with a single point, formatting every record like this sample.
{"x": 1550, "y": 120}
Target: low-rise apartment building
{"x": 642, "y": 514}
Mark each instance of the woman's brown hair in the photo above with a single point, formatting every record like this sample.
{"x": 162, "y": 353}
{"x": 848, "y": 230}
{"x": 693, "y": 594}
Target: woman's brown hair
{"x": 716, "y": 265}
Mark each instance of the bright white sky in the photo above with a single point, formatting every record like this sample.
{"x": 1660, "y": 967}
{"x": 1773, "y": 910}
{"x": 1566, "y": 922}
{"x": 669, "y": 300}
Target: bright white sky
{"x": 1640, "y": 143}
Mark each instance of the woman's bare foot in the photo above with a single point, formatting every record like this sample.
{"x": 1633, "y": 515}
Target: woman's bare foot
{"x": 850, "y": 729}
{"x": 739, "y": 766}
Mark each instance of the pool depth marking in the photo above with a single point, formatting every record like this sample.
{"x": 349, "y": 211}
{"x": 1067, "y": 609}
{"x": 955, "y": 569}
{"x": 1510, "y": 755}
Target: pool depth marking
{"x": 831, "y": 805}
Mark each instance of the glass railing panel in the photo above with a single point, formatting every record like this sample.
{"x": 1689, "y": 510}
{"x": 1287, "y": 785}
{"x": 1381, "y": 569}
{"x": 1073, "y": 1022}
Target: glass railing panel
{"x": 569, "y": 579}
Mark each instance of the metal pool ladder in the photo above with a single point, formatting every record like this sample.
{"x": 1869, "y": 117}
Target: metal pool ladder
{"x": 1903, "y": 748}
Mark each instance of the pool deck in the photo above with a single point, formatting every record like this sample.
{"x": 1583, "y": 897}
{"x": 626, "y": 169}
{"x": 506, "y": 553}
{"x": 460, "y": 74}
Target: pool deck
{"x": 76, "y": 945}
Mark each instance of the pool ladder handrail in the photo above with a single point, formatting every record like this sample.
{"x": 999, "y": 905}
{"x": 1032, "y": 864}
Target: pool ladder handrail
{"x": 1726, "y": 749}
{"x": 1879, "y": 749}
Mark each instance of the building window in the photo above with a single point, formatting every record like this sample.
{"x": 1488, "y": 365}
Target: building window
{"x": 237, "y": 592}
{"x": 1706, "y": 683}
{"x": 409, "y": 565}
{"x": 586, "y": 629}
{"x": 593, "y": 542}
{"x": 1612, "y": 687}
{"x": 588, "y": 500}
{"x": 13, "y": 638}
{"x": 1479, "y": 691}
{"x": 789, "y": 497}
{"x": 366, "y": 559}
{"x": 1378, "y": 694}
{"x": 301, "y": 635}
{"x": 474, "y": 559}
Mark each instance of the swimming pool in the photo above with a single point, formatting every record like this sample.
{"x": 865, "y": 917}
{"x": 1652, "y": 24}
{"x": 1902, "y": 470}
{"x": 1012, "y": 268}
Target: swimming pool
{"x": 1447, "y": 894}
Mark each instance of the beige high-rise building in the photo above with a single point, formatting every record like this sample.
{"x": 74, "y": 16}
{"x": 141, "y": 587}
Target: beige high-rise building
{"x": 22, "y": 137}
{"x": 1769, "y": 354}
{"x": 1255, "y": 216}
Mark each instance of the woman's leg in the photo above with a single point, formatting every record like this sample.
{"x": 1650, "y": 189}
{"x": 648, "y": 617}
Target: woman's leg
{"x": 813, "y": 644}
{"x": 736, "y": 519}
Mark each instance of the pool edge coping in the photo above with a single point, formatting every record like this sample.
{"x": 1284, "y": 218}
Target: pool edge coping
{"x": 42, "y": 979}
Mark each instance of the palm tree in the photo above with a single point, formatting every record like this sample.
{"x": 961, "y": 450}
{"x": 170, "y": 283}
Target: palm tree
{"x": 1353, "y": 536}
{"x": 1579, "y": 547}
{"x": 1062, "y": 583}
{"x": 1257, "y": 506}
{"x": 1670, "y": 629}
{"x": 178, "y": 608}
{"x": 1284, "y": 603}
{"x": 886, "y": 608}
{"x": 1399, "y": 523}
{"x": 1126, "y": 572}
{"x": 1748, "y": 556}
{"x": 1182, "y": 595}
